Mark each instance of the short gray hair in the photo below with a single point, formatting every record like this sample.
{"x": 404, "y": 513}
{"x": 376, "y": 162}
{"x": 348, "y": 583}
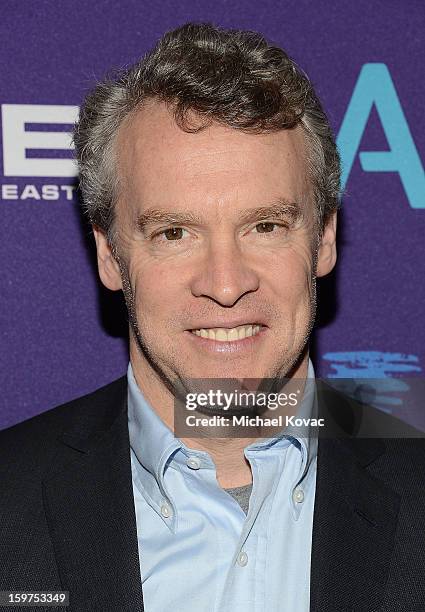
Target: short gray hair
{"x": 232, "y": 77}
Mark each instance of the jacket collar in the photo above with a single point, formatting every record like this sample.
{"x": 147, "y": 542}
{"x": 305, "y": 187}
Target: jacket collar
{"x": 355, "y": 513}
{"x": 88, "y": 499}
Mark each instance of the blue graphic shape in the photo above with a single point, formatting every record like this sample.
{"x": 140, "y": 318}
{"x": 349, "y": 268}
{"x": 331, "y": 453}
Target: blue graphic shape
{"x": 370, "y": 364}
{"x": 369, "y": 376}
{"x": 375, "y": 87}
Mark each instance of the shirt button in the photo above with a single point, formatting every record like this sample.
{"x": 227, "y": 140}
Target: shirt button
{"x": 193, "y": 463}
{"x": 242, "y": 559}
{"x": 165, "y": 510}
{"x": 298, "y": 495}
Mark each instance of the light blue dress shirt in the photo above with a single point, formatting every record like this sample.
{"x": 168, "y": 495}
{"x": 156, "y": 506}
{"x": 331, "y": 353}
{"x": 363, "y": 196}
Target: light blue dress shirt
{"x": 198, "y": 550}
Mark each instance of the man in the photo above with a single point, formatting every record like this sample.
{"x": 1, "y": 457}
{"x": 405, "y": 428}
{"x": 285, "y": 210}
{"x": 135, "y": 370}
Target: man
{"x": 211, "y": 178}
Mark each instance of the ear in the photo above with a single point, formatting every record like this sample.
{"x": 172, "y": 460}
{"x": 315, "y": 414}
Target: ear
{"x": 326, "y": 257}
{"x": 109, "y": 270}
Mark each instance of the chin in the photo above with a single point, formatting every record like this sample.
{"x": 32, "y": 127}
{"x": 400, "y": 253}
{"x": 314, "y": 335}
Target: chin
{"x": 237, "y": 371}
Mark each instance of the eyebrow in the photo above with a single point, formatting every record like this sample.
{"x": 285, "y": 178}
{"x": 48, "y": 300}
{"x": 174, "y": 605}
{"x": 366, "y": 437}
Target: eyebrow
{"x": 282, "y": 209}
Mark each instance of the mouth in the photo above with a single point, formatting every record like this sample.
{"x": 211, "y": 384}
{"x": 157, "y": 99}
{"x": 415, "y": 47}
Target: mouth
{"x": 233, "y": 334}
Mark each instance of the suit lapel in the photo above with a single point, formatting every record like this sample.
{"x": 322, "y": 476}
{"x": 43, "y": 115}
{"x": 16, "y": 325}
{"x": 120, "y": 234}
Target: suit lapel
{"x": 90, "y": 510}
{"x": 355, "y": 519}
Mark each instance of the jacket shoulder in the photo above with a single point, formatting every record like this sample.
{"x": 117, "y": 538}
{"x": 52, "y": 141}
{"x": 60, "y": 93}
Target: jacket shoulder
{"x": 33, "y": 442}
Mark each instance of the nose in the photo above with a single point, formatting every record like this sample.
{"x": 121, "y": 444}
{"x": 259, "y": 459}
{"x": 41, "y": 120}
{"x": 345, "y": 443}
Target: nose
{"x": 224, "y": 275}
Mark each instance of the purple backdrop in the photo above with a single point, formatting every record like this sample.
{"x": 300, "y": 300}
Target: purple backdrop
{"x": 61, "y": 332}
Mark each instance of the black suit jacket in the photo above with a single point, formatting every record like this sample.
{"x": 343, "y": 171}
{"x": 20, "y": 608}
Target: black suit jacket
{"x": 67, "y": 518}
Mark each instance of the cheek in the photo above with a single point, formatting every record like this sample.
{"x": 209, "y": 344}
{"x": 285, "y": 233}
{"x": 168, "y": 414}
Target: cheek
{"x": 291, "y": 276}
{"x": 156, "y": 289}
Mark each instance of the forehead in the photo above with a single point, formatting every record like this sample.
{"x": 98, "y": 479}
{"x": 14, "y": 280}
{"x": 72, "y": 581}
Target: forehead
{"x": 161, "y": 165}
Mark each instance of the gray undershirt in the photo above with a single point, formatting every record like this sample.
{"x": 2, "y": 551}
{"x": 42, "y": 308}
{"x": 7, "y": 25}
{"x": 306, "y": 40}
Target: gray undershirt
{"x": 241, "y": 495}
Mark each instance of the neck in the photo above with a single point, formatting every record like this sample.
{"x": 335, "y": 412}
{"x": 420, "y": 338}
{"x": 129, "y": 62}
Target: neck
{"x": 232, "y": 468}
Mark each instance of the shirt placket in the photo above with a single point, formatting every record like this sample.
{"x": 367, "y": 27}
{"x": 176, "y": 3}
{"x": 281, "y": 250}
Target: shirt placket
{"x": 245, "y": 583}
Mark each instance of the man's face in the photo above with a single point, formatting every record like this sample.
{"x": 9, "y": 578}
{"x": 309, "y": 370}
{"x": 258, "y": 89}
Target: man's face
{"x": 216, "y": 237}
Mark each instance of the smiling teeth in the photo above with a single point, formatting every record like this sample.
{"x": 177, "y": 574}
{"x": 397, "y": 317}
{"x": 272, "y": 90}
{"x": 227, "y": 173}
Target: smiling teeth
{"x": 222, "y": 334}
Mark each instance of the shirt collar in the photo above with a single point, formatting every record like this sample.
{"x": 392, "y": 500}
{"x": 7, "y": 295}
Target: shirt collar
{"x": 305, "y": 410}
{"x": 151, "y": 440}
{"x": 154, "y": 443}
{"x": 308, "y": 410}
{"x": 303, "y": 438}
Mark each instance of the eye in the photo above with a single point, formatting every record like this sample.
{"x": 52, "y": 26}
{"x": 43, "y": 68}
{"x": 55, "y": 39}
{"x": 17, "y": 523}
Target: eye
{"x": 172, "y": 233}
{"x": 266, "y": 227}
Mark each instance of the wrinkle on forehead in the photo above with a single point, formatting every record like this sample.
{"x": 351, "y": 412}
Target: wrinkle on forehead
{"x": 161, "y": 165}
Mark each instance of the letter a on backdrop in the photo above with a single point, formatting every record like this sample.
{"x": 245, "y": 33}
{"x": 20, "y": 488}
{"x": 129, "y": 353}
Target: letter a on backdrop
{"x": 375, "y": 87}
